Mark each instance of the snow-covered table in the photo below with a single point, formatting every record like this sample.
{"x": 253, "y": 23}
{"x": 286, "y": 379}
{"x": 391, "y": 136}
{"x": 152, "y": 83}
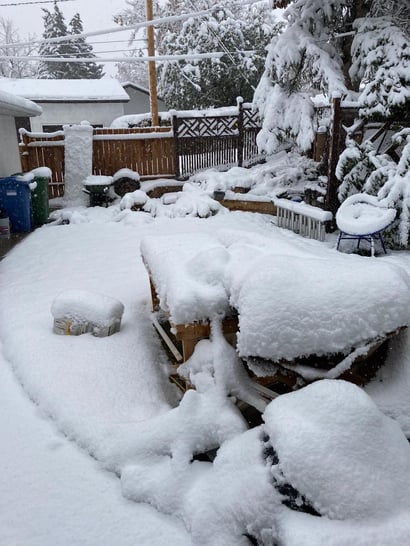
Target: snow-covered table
{"x": 287, "y": 307}
{"x": 362, "y": 217}
{"x": 186, "y": 278}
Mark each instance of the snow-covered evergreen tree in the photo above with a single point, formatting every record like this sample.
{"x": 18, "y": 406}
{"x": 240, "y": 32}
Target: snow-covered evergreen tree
{"x": 55, "y": 27}
{"x": 317, "y": 54}
{"x": 241, "y": 32}
{"x": 89, "y": 70}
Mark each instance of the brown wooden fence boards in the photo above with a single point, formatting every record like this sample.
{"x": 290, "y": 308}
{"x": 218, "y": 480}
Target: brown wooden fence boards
{"x": 193, "y": 143}
{"x": 135, "y": 149}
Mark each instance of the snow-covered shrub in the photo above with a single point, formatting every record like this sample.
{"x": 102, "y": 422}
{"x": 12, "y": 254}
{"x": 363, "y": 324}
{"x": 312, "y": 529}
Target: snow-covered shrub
{"x": 356, "y": 163}
{"x": 381, "y": 59}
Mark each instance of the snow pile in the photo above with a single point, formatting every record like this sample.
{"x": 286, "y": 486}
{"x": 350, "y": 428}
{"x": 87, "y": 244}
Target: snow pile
{"x": 191, "y": 201}
{"x": 80, "y": 311}
{"x": 126, "y": 173}
{"x": 187, "y": 271}
{"x": 316, "y": 306}
{"x": 339, "y": 451}
{"x": 362, "y": 214}
{"x": 42, "y": 172}
{"x": 97, "y": 180}
{"x": 281, "y": 171}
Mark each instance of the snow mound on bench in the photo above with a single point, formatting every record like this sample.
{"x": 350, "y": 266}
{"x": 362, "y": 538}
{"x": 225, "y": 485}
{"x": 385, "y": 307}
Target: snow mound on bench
{"x": 291, "y": 307}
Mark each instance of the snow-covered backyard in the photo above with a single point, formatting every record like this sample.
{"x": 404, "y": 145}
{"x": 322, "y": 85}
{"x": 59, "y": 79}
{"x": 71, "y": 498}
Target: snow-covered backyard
{"x": 100, "y": 448}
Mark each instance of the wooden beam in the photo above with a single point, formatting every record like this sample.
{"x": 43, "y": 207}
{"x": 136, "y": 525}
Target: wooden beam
{"x": 153, "y": 95}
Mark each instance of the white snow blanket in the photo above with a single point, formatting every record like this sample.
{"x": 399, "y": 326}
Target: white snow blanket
{"x": 317, "y": 306}
{"x": 187, "y": 271}
{"x": 288, "y": 306}
{"x": 339, "y": 451}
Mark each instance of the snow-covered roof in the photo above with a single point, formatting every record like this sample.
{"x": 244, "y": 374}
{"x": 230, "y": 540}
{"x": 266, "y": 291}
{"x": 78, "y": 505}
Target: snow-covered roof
{"x": 12, "y": 105}
{"x": 136, "y": 86}
{"x": 65, "y": 90}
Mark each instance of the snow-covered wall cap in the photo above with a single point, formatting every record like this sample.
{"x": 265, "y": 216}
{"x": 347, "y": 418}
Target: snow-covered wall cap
{"x": 213, "y": 112}
{"x": 337, "y": 95}
{"x": 12, "y": 105}
{"x": 65, "y": 90}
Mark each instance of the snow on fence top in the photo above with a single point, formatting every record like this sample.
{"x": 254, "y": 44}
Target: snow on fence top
{"x": 304, "y": 209}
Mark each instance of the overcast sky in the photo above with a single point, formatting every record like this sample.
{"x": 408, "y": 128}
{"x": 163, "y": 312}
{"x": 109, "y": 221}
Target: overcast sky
{"x": 95, "y": 14}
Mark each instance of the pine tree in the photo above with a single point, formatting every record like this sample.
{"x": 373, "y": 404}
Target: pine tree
{"x": 215, "y": 82}
{"x": 211, "y": 82}
{"x": 80, "y": 48}
{"x": 314, "y": 55}
{"x": 55, "y": 27}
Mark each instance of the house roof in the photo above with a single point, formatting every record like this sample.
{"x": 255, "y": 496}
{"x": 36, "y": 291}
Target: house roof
{"x": 136, "y": 86}
{"x": 13, "y": 105}
{"x": 103, "y": 90}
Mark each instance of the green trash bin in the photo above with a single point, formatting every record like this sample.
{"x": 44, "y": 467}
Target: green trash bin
{"x": 39, "y": 196}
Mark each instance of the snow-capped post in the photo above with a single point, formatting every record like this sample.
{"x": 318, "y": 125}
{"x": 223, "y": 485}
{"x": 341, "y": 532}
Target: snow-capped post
{"x": 174, "y": 117}
{"x": 239, "y": 102}
{"x": 78, "y": 161}
{"x": 331, "y": 200}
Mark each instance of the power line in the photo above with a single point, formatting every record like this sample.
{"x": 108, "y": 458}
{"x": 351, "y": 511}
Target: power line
{"x": 147, "y": 58}
{"x": 154, "y": 22}
{"x": 36, "y": 2}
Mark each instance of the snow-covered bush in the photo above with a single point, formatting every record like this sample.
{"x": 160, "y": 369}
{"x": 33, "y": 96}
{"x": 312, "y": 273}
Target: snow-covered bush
{"x": 316, "y": 54}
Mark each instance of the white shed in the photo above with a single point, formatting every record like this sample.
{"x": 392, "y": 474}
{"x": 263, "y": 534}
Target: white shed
{"x": 66, "y": 102}
{"x": 11, "y": 107}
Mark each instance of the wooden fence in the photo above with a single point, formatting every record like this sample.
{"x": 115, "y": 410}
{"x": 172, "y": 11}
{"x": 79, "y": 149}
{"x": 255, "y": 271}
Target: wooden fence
{"x": 222, "y": 140}
{"x": 192, "y": 144}
{"x": 149, "y": 151}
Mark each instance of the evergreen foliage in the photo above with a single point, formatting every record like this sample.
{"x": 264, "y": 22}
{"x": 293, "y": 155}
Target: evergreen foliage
{"x": 55, "y": 27}
{"x": 318, "y": 54}
{"x": 242, "y": 32}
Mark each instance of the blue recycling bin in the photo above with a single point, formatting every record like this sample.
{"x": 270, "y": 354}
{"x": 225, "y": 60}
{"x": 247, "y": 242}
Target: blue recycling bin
{"x": 15, "y": 199}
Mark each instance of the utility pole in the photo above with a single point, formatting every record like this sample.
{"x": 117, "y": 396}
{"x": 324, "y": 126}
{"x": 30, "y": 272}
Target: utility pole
{"x": 153, "y": 96}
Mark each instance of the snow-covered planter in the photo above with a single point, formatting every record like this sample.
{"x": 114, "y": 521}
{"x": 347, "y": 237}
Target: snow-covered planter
{"x": 77, "y": 312}
{"x": 125, "y": 181}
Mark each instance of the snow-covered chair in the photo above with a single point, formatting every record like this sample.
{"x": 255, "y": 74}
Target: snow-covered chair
{"x": 363, "y": 217}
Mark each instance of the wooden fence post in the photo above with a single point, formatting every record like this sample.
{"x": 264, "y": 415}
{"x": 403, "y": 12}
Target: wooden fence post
{"x": 176, "y": 148}
{"x": 335, "y": 147}
{"x": 239, "y": 102}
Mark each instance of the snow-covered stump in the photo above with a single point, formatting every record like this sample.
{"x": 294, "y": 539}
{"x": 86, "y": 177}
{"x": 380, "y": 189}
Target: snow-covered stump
{"x": 78, "y": 312}
{"x": 78, "y": 161}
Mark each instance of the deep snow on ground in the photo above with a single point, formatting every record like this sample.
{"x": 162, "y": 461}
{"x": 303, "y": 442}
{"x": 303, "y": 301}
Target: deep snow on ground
{"x": 112, "y": 398}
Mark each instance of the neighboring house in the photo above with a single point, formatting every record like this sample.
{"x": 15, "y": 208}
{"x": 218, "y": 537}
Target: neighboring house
{"x": 139, "y": 99}
{"x": 11, "y": 107}
{"x": 67, "y": 102}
